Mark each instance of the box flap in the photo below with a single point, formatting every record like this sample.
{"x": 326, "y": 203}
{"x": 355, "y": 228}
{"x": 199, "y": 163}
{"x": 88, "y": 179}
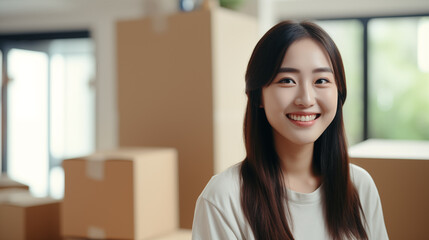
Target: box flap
{"x": 122, "y": 154}
{"x": 23, "y": 198}
{"x": 6, "y": 194}
{"x": 95, "y": 162}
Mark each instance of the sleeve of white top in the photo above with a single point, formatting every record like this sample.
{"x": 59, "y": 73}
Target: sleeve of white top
{"x": 371, "y": 203}
{"x": 376, "y": 221}
{"x": 209, "y": 222}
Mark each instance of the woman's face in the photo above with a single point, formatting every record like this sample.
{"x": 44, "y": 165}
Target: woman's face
{"x": 301, "y": 102}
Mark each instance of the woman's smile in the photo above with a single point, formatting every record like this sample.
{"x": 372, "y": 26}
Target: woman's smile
{"x": 303, "y": 119}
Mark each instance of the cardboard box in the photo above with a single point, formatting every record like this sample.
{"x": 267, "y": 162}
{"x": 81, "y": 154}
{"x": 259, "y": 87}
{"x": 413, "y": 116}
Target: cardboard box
{"x": 129, "y": 193}
{"x": 7, "y": 182}
{"x": 13, "y": 193}
{"x": 400, "y": 170}
{"x": 181, "y": 84}
{"x": 24, "y": 217}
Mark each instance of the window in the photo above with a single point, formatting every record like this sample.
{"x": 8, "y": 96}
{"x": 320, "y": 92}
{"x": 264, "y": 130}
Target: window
{"x": 72, "y": 105}
{"x": 386, "y": 60}
{"x": 50, "y": 112}
{"x": 399, "y": 78}
{"x": 27, "y": 118}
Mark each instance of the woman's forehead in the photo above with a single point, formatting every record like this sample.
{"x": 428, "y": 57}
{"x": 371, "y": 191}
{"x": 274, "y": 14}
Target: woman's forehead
{"x": 306, "y": 54}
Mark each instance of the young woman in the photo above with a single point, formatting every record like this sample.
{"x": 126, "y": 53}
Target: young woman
{"x": 296, "y": 181}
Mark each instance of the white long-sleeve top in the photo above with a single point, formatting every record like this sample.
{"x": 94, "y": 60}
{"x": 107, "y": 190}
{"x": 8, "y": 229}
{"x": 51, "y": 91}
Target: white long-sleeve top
{"x": 218, "y": 212}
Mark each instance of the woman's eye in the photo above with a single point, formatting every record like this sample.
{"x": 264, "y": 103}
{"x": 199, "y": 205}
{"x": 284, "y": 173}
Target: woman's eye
{"x": 286, "y": 80}
{"x": 322, "y": 81}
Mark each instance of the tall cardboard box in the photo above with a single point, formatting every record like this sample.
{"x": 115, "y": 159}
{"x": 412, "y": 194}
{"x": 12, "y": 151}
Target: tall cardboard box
{"x": 25, "y": 217}
{"x": 129, "y": 193}
{"x": 400, "y": 170}
{"x": 181, "y": 84}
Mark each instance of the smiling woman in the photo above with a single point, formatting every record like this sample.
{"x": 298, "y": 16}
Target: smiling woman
{"x": 296, "y": 181}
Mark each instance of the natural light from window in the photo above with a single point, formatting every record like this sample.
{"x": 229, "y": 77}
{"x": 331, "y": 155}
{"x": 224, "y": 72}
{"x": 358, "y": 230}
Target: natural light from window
{"x": 27, "y": 130}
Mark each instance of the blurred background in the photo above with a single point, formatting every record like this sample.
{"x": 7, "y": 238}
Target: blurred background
{"x": 59, "y": 72}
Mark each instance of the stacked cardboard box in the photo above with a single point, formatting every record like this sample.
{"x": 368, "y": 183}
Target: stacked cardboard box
{"x": 400, "y": 171}
{"x": 129, "y": 193}
{"x": 181, "y": 84}
{"x": 25, "y": 217}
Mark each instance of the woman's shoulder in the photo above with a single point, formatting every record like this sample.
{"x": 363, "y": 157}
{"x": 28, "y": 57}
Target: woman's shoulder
{"x": 361, "y": 179}
{"x": 218, "y": 213}
{"x": 224, "y": 186}
{"x": 358, "y": 174}
{"x": 364, "y": 185}
{"x": 370, "y": 202}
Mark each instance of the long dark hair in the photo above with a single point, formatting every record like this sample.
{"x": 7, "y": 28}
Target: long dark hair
{"x": 263, "y": 189}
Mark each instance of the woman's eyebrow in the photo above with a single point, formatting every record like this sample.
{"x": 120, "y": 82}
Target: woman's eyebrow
{"x": 323, "y": 69}
{"x": 288, "y": 69}
{"x": 316, "y": 70}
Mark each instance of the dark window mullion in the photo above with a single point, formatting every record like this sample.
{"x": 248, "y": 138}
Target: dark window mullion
{"x": 365, "y": 79}
{"x": 4, "y": 85}
{"x": 50, "y": 157}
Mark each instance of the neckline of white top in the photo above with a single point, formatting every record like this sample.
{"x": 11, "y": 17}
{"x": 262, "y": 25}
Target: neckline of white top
{"x": 305, "y": 198}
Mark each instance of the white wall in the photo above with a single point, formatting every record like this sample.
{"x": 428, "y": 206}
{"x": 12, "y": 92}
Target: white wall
{"x": 271, "y": 11}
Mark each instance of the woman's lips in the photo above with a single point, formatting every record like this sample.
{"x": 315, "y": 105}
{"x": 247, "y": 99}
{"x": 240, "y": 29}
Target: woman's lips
{"x": 303, "y": 119}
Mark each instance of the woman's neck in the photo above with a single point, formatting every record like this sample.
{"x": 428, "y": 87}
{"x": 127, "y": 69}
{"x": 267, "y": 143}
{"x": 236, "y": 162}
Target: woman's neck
{"x": 297, "y": 165}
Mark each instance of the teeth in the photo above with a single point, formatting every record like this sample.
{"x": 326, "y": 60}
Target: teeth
{"x": 302, "y": 118}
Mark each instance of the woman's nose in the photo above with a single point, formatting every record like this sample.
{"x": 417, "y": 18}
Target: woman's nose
{"x": 305, "y": 96}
